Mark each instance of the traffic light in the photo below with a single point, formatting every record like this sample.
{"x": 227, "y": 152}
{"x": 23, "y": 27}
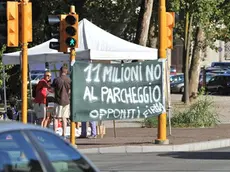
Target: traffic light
{"x": 71, "y": 30}
{"x": 57, "y": 23}
{"x": 170, "y": 23}
{"x": 29, "y": 22}
{"x": 12, "y": 24}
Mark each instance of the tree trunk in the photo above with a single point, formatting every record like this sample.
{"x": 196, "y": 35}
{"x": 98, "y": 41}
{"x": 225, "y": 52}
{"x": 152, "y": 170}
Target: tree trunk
{"x": 152, "y": 37}
{"x": 187, "y": 57}
{"x": 185, "y": 97}
{"x": 195, "y": 63}
{"x": 143, "y": 22}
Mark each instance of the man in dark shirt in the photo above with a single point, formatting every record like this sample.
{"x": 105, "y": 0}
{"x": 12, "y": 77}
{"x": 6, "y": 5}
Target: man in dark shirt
{"x": 61, "y": 87}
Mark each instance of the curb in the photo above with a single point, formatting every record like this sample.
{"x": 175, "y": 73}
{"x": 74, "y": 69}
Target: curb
{"x": 198, "y": 146}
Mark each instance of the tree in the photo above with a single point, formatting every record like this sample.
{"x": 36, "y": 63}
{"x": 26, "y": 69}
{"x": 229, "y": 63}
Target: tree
{"x": 143, "y": 22}
{"x": 5, "y": 75}
{"x": 205, "y": 23}
{"x": 118, "y": 17}
{"x": 153, "y": 30}
{"x": 204, "y": 12}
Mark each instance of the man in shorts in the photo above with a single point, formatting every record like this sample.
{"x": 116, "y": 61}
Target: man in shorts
{"x": 61, "y": 87}
{"x": 40, "y": 98}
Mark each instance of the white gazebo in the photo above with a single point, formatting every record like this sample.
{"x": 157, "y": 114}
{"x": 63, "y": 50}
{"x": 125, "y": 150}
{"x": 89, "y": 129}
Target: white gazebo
{"x": 94, "y": 44}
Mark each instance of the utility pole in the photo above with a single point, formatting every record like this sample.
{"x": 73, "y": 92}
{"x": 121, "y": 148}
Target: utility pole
{"x": 166, "y": 24}
{"x": 24, "y": 42}
{"x": 72, "y": 59}
{"x": 162, "y": 119}
{"x": 73, "y": 124}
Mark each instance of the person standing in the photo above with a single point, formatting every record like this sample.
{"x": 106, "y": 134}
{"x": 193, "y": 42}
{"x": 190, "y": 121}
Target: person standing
{"x": 49, "y": 109}
{"x": 93, "y": 127}
{"x": 61, "y": 87}
{"x": 40, "y": 98}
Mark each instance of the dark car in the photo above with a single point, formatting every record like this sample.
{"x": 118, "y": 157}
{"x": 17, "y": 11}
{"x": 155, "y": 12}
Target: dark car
{"x": 34, "y": 149}
{"x": 215, "y": 70}
{"x": 177, "y": 83}
{"x": 224, "y": 65}
{"x": 208, "y": 77}
{"x": 219, "y": 84}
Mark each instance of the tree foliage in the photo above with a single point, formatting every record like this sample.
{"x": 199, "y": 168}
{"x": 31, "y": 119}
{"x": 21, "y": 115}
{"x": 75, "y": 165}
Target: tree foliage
{"x": 208, "y": 25}
{"x": 208, "y": 14}
{"x": 7, "y": 67}
{"x": 117, "y": 17}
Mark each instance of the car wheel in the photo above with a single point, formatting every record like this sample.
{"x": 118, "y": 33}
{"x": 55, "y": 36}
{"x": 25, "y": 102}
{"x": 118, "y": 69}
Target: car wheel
{"x": 182, "y": 89}
{"x": 220, "y": 91}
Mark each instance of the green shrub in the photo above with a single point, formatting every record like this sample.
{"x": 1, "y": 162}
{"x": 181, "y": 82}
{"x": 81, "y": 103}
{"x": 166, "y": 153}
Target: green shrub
{"x": 202, "y": 91}
{"x": 200, "y": 114}
{"x": 150, "y": 122}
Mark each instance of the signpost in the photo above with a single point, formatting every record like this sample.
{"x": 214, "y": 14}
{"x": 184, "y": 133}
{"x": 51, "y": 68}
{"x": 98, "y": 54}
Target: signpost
{"x": 117, "y": 91}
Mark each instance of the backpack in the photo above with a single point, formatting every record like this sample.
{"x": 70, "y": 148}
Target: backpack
{"x": 12, "y": 113}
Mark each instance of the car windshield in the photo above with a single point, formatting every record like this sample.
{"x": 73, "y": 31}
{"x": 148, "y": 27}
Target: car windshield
{"x": 62, "y": 156}
{"x": 33, "y": 77}
{"x": 16, "y": 154}
{"x": 208, "y": 77}
{"x": 36, "y": 76}
{"x": 176, "y": 78}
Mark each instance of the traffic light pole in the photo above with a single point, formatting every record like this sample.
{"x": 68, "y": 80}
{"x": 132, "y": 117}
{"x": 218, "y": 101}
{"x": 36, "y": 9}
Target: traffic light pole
{"x": 24, "y": 39}
{"x": 72, "y": 125}
{"x": 162, "y": 137}
{"x": 72, "y": 59}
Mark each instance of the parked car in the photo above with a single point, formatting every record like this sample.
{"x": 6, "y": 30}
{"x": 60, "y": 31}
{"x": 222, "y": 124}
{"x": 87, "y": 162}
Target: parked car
{"x": 177, "y": 87}
{"x": 177, "y": 83}
{"x": 35, "y": 78}
{"x": 215, "y": 70}
{"x": 227, "y": 72}
{"x": 32, "y": 148}
{"x": 176, "y": 78}
{"x": 219, "y": 84}
{"x": 208, "y": 77}
{"x": 172, "y": 70}
{"x": 221, "y": 64}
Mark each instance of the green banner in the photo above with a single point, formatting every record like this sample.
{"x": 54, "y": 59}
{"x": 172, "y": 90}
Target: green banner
{"x": 117, "y": 91}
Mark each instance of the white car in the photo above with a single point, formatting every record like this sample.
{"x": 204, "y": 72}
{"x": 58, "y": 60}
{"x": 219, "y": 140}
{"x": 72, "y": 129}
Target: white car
{"x": 35, "y": 78}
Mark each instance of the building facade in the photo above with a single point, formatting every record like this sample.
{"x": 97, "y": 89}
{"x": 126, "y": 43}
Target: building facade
{"x": 220, "y": 54}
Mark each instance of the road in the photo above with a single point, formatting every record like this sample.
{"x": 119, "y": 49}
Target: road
{"x": 205, "y": 161}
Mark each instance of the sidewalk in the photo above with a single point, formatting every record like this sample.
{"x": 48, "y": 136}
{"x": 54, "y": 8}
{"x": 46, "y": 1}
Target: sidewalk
{"x": 142, "y": 140}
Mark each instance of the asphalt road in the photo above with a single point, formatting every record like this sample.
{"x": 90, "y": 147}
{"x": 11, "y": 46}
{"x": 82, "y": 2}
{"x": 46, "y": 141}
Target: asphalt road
{"x": 207, "y": 161}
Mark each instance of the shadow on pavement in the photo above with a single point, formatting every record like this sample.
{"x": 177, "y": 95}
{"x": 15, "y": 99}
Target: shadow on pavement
{"x": 198, "y": 155}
